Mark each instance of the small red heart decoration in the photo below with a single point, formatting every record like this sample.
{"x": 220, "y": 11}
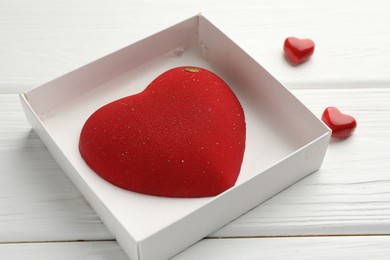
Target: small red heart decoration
{"x": 183, "y": 136}
{"x": 298, "y": 50}
{"x": 342, "y": 125}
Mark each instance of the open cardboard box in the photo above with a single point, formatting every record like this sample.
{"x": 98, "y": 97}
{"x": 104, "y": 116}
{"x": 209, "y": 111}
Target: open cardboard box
{"x": 285, "y": 141}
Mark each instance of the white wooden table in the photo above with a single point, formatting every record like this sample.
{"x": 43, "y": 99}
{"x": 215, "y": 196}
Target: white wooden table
{"x": 341, "y": 211}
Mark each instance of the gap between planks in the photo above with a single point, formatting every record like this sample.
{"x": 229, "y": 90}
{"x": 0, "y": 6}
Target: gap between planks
{"x": 56, "y": 241}
{"x": 208, "y": 238}
{"x": 301, "y": 236}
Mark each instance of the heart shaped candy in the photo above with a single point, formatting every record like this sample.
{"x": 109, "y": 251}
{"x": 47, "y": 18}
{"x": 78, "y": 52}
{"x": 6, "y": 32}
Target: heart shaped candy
{"x": 298, "y": 50}
{"x": 342, "y": 125}
{"x": 183, "y": 136}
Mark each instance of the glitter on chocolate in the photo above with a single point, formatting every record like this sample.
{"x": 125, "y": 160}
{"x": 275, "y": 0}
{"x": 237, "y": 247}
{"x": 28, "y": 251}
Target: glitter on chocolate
{"x": 183, "y": 136}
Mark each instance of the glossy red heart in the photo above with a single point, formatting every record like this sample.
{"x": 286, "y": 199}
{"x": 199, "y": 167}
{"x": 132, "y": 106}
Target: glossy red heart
{"x": 298, "y": 50}
{"x": 342, "y": 125}
{"x": 183, "y": 136}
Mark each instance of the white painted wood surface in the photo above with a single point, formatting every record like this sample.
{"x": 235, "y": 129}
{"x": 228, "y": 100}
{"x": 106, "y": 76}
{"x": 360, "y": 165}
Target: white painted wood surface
{"x": 300, "y": 248}
{"x": 44, "y": 39}
{"x": 42, "y": 214}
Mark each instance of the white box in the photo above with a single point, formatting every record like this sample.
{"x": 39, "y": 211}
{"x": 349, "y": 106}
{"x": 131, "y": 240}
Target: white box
{"x": 285, "y": 141}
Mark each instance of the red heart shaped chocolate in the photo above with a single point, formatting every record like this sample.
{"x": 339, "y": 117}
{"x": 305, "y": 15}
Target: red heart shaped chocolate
{"x": 183, "y": 136}
{"x": 342, "y": 125}
{"x": 298, "y": 50}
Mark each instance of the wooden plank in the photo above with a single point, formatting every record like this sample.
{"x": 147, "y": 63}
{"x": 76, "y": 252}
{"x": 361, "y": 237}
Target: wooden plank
{"x": 301, "y": 248}
{"x": 97, "y": 250}
{"x": 349, "y": 195}
{"x": 54, "y": 38}
{"x": 290, "y": 248}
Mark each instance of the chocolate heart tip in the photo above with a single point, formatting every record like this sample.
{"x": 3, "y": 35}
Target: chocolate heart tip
{"x": 293, "y": 62}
